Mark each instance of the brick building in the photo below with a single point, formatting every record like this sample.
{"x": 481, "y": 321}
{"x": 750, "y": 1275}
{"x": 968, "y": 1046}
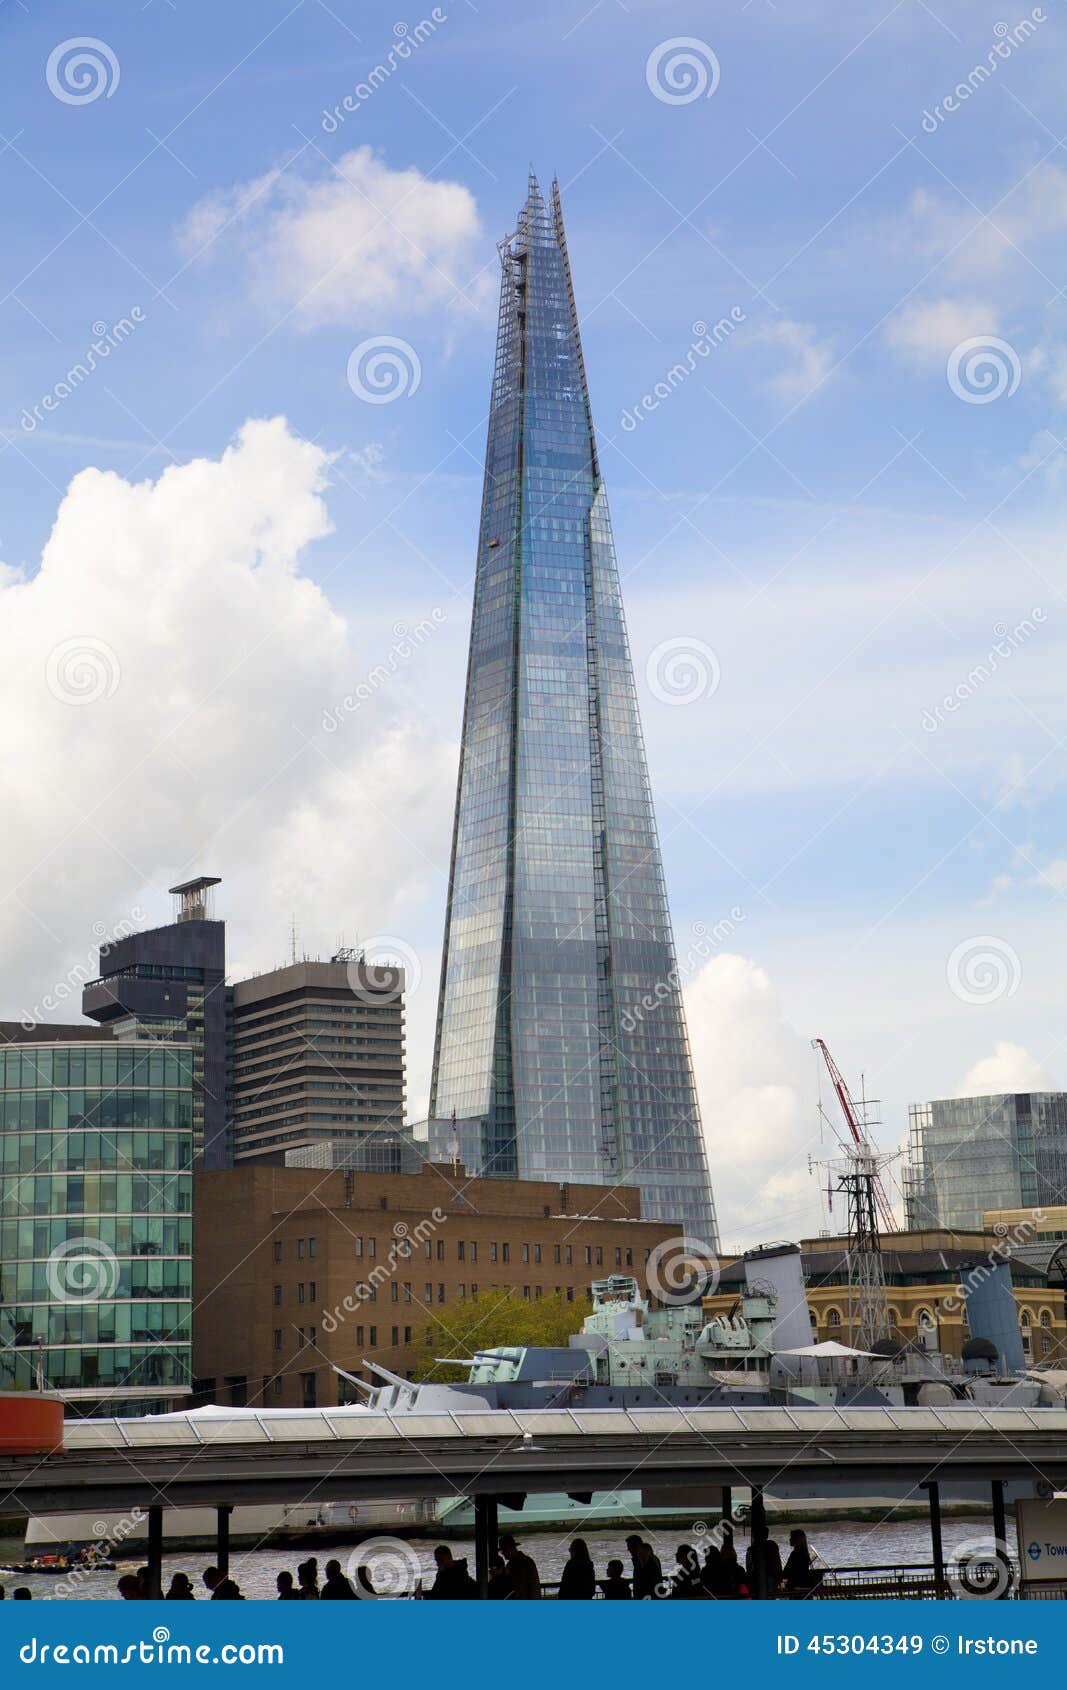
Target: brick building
{"x": 296, "y": 1269}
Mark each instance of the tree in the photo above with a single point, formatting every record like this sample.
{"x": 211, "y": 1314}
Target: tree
{"x": 495, "y": 1320}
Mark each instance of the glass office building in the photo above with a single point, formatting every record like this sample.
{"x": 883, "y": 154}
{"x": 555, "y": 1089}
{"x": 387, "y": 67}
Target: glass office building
{"x": 971, "y": 1154}
{"x": 96, "y": 1141}
{"x": 558, "y": 932}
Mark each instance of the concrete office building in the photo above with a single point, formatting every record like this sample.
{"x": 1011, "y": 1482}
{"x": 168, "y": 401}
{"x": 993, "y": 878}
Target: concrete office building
{"x": 316, "y": 1057}
{"x": 171, "y": 981}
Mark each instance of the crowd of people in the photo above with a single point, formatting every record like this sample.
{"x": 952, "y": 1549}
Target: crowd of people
{"x": 513, "y": 1575}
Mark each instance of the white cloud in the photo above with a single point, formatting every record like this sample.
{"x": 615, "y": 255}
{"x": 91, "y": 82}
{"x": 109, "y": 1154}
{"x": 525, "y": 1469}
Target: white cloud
{"x": 356, "y": 240}
{"x": 178, "y": 611}
{"x": 755, "y": 1080}
{"x": 926, "y": 332}
{"x": 802, "y": 361}
{"x": 1009, "y": 1069}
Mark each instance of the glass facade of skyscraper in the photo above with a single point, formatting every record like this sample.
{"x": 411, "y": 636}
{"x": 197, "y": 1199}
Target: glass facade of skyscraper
{"x": 971, "y": 1154}
{"x": 558, "y": 928}
{"x": 96, "y": 1141}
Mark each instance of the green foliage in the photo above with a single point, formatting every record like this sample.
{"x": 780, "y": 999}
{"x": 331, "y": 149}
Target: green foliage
{"x": 497, "y": 1319}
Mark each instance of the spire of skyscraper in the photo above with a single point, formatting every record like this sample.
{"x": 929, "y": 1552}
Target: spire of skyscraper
{"x": 561, "y": 1043}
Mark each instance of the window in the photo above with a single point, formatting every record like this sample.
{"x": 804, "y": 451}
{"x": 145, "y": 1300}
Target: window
{"x": 505, "y": 1252}
{"x": 429, "y": 1291}
{"x": 833, "y": 1317}
{"x": 394, "y": 1292}
{"x": 312, "y": 1288}
{"x": 300, "y": 1293}
{"x": 526, "y": 1293}
{"x": 537, "y": 1252}
{"x": 569, "y": 1258}
{"x": 383, "y": 1202}
{"x": 407, "y": 1290}
{"x": 427, "y": 1250}
{"x": 556, "y": 1254}
{"x": 300, "y": 1249}
{"x": 440, "y": 1293}
{"x": 359, "y": 1334}
{"x": 599, "y": 1256}
{"x": 492, "y": 1252}
{"x": 312, "y": 1245}
{"x": 474, "y": 1293}
{"x": 570, "y": 1293}
{"x": 372, "y": 1248}
{"x": 407, "y": 1334}
{"x": 277, "y": 1337}
{"x": 474, "y": 1250}
{"x": 462, "y": 1292}
{"x": 629, "y": 1258}
{"x": 374, "y": 1337}
{"x": 277, "y": 1249}
{"x": 526, "y": 1252}
{"x": 618, "y": 1255}
{"x": 359, "y": 1246}
{"x": 460, "y": 1248}
{"x": 440, "y": 1249}
{"x": 277, "y": 1296}
{"x": 537, "y": 1293}
{"x": 588, "y": 1255}
{"x": 308, "y": 1390}
{"x": 396, "y": 1336}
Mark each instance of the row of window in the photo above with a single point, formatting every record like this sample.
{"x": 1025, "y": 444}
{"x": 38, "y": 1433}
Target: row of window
{"x": 71, "y": 1369}
{"x": 101, "y": 1323}
{"x": 467, "y": 1251}
{"x": 101, "y": 1277}
{"x": 101, "y": 1111}
{"x": 125, "y": 1235}
{"x": 135, "y": 1194}
{"x": 144, "y": 1065}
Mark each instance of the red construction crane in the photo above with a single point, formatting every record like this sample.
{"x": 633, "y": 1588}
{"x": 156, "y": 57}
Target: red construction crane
{"x": 857, "y": 1128}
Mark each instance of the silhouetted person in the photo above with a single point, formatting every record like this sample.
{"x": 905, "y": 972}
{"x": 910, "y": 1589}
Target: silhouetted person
{"x": 453, "y": 1582}
{"x": 285, "y": 1588}
{"x": 129, "y": 1588}
{"x": 23, "y": 1594}
{"x": 615, "y": 1588}
{"x": 336, "y": 1587}
{"x": 647, "y": 1571}
{"x": 180, "y": 1589}
{"x": 772, "y": 1561}
{"x": 222, "y": 1588}
{"x": 578, "y": 1583}
{"x": 687, "y": 1584}
{"x": 798, "y": 1574}
{"x": 500, "y": 1586}
{"x": 307, "y": 1577}
{"x": 525, "y": 1581}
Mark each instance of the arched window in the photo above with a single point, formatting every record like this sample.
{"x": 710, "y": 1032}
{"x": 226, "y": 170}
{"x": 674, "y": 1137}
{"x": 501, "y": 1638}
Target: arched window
{"x": 813, "y": 1317}
{"x": 1025, "y": 1317}
{"x": 833, "y": 1317}
{"x": 1046, "y": 1317}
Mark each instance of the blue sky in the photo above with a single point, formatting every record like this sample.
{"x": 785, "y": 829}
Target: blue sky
{"x": 829, "y": 502}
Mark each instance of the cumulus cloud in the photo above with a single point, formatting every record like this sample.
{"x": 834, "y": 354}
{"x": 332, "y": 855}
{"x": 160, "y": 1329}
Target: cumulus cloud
{"x": 349, "y": 241}
{"x": 925, "y": 332}
{"x": 802, "y": 362}
{"x": 169, "y": 667}
{"x": 1010, "y": 1068}
{"x": 755, "y": 1080}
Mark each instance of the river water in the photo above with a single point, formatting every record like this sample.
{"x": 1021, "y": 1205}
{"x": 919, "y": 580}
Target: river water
{"x": 836, "y": 1543}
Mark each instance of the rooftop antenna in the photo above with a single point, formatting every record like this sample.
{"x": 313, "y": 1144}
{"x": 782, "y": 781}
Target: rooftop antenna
{"x": 292, "y": 938}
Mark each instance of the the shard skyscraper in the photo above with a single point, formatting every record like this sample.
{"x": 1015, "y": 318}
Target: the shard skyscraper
{"x": 561, "y": 1046}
